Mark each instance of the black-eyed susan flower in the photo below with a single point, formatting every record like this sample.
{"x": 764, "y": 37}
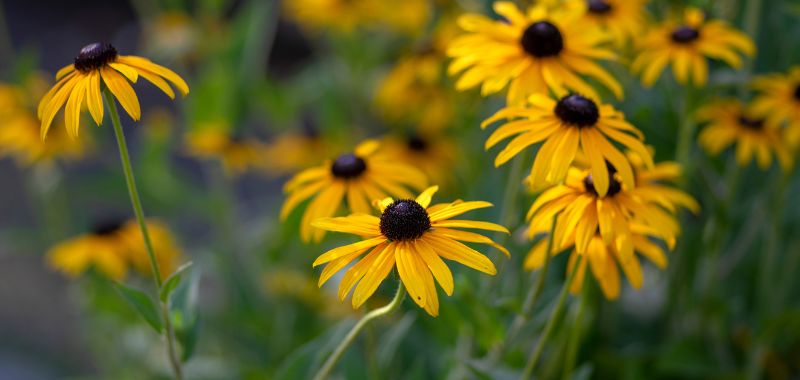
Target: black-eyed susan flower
{"x": 779, "y": 102}
{"x": 434, "y": 155}
{"x": 19, "y": 132}
{"x": 360, "y": 177}
{"x": 112, "y": 248}
{"x": 608, "y": 230}
{"x": 412, "y": 236}
{"x": 237, "y": 155}
{"x": 97, "y": 66}
{"x": 534, "y": 52}
{"x": 571, "y": 125}
{"x": 346, "y": 15}
{"x": 622, "y": 19}
{"x": 729, "y": 123}
{"x": 293, "y": 151}
{"x": 685, "y": 44}
{"x": 418, "y": 80}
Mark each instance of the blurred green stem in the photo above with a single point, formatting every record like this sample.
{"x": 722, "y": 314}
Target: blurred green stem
{"x": 686, "y": 132}
{"x": 137, "y": 209}
{"x": 348, "y": 340}
{"x": 575, "y": 336}
{"x": 530, "y": 302}
{"x": 555, "y": 316}
{"x": 6, "y": 49}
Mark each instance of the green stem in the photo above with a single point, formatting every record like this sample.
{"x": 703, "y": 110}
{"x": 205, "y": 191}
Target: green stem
{"x": 555, "y": 316}
{"x": 348, "y": 340}
{"x": 530, "y": 301}
{"x": 6, "y": 49}
{"x": 137, "y": 209}
{"x": 575, "y": 338}
{"x": 686, "y": 132}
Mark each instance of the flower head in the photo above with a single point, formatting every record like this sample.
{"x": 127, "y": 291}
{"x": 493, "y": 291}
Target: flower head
{"x": 81, "y": 83}
{"x": 112, "y": 247}
{"x": 412, "y": 236}
{"x": 534, "y": 52}
{"x": 435, "y": 155}
{"x": 236, "y": 154}
{"x": 359, "y": 177}
{"x": 608, "y": 230}
{"x": 729, "y": 122}
{"x": 778, "y": 102}
{"x": 686, "y": 43}
{"x": 571, "y": 125}
{"x": 622, "y": 19}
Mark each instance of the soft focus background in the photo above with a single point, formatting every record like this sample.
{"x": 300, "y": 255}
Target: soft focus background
{"x": 292, "y": 89}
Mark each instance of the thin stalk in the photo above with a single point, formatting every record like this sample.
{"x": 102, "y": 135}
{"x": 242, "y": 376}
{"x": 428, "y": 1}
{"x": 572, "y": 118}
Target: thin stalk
{"x": 686, "y": 132}
{"x": 130, "y": 180}
{"x": 6, "y": 48}
{"x": 575, "y": 337}
{"x": 530, "y": 302}
{"x": 325, "y": 371}
{"x": 555, "y": 316}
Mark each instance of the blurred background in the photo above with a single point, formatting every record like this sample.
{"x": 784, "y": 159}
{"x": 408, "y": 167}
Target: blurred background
{"x": 280, "y": 86}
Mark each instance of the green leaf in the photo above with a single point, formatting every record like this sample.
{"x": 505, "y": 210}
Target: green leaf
{"x": 143, "y": 304}
{"x": 173, "y": 281}
{"x": 183, "y": 314}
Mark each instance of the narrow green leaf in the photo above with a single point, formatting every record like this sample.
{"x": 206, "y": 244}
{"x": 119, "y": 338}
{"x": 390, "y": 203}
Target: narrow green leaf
{"x": 173, "y": 281}
{"x": 143, "y": 304}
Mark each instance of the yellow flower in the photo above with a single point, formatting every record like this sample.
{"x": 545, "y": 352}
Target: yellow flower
{"x": 359, "y": 177}
{"x": 572, "y": 125}
{"x": 609, "y": 229}
{"x": 171, "y": 35}
{"x": 418, "y": 81}
{"x": 685, "y": 44}
{"x": 236, "y": 155}
{"x": 779, "y": 102}
{"x": 80, "y": 85}
{"x": 346, "y": 15}
{"x": 622, "y": 19}
{"x": 413, "y": 237}
{"x": 534, "y": 52}
{"x": 114, "y": 246}
{"x": 295, "y": 151}
{"x": 19, "y": 132}
{"x": 755, "y": 138}
{"x": 434, "y": 155}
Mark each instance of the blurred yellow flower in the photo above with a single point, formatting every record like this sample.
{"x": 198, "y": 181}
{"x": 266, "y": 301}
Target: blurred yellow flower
{"x": 98, "y": 66}
{"x": 622, "y": 19}
{"x": 344, "y": 16}
{"x": 293, "y": 151}
{"x": 434, "y": 155}
{"x": 536, "y": 52}
{"x": 236, "y": 155}
{"x": 412, "y": 236}
{"x": 729, "y": 122}
{"x": 171, "y": 35}
{"x": 779, "y": 102}
{"x": 611, "y": 228}
{"x": 573, "y": 125}
{"x": 360, "y": 177}
{"x": 19, "y": 131}
{"x": 685, "y": 44}
{"x": 113, "y": 247}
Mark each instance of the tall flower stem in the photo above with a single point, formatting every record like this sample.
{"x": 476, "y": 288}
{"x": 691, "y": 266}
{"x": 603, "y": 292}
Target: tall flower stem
{"x": 348, "y": 340}
{"x": 688, "y": 126}
{"x": 6, "y": 49}
{"x": 130, "y": 180}
{"x": 527, "y": 306}
{"x": 575, "y": 337}
{"x": 555, "y": 316}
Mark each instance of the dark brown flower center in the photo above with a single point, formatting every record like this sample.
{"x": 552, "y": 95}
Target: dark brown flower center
{"x": 107, "y": 226}
{"x": 404, "y": 219}
{"x": 542, "y": 39}
{"x": 614, "y": 186}
{"x": 95, "y": 56}
{"x": 577, "y": 110}
{"x": 797, "y": 92}
{"x": 416, "y": 143}
{"x": 599, "y": 6}
{"x": 348, "y": 166}
{"x": 685, "y": 34}
{"x": 750, "y": 123}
